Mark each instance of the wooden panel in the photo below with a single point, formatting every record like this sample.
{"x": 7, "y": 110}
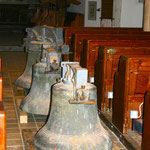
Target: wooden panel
{"x": 111, "y": 65}
{"x": 119, "y": 106}
{"x": 1, "y": 82}
{"x": 129, "y": 90}
{"x": 69, "y": 31}
{"x": 79, "y": 37}
{"x": 0, "y": 65}
{"x": 1, "y": 87}
{"x": 99, "y": 76}
{"x": 142, "y": 83}
{"x": 146, "y": 123}
{"x": 2, "y": 127}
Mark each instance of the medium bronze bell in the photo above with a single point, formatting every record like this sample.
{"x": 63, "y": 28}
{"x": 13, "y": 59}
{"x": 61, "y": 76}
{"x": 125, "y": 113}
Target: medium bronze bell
{"x": 44, "y": 76}
{"x": 73, "y": 121}
{"x": 38, "y": 99}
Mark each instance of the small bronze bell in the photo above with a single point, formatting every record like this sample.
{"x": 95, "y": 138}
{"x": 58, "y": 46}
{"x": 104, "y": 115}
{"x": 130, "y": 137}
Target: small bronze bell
{"x": 34, "y": 54}
{"x": 73, "y": 121}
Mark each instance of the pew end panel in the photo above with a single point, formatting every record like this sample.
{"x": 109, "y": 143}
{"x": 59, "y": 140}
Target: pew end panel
{"x": 146, "y": 122}
{"x": 2, "y": 127}
{"x": 1, "y": 87}
{"x": 0, "y": 65}
{"x": 131, "y": 82}
{"x": 1, "y": 82}
{"x": 111, "y": 61}
{"x": 100, "y": 66}
{"x": 119, "y": 106}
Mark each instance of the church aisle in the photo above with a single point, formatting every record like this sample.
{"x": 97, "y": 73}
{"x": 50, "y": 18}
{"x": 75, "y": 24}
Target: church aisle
{"x": 20, "y": 136}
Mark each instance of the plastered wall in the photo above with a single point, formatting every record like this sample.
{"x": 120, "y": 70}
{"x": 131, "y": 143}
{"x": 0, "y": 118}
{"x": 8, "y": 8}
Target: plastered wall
{"x": 131, "y": 13}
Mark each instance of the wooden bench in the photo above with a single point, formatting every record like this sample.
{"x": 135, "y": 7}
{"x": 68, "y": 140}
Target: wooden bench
{"x": 0, "y": 65}
{"x": 2, "y": 119}
{"x": 131, "y": 82}
{"x": 69, "y": 31}
{"x": 70, "y": 39}
{"x": 91, "y": 47}
{"x": 146, "y": 122}
{"x": 77, "y": 43}
{"x": 1, "y": 87}
{"x": 107, "y": 64}
{"x": 1, "y": 82}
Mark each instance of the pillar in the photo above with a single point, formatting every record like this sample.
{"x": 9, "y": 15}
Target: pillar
{"x": 147, "y": 16}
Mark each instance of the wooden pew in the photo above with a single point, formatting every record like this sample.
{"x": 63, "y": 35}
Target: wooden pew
{"x": 69, "y": 37}
{"x": 146, "y": 122}
{"x": 0, "y": 65}
{"x": 78, "y": 38}
{"x": 2, "y": 127}
{"x": 2, "y": 116}
{"x": 130, "y": 84}
{"x": 1, "y": 81}
{"x": 91, "y": 47}
{"x": 1, "y": 87}
{"x": 107, "y": 65}
{"x": 69, "y": 31}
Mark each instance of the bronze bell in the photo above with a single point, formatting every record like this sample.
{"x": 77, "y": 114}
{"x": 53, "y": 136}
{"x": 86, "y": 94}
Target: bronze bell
{"x": 73, "y": 121}
{"x": 38, "y": 36}
{"x": 34, "y": 54}
{"x": 44, "y": 76}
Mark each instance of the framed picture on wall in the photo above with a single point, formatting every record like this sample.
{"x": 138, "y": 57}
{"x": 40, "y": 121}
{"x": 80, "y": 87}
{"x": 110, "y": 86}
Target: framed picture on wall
{"x": 92, "y": 5}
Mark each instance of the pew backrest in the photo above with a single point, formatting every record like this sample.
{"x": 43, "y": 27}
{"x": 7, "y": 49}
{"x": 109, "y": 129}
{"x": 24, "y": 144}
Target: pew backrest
{"x": 69, "y": 31}
{"x": 77, "y": 42}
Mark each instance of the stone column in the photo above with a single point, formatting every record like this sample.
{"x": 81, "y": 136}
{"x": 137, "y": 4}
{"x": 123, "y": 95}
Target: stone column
{"x": 147, "y": 16}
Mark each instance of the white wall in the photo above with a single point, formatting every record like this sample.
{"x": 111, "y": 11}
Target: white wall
{"x": 117, "y": 12}
{"x": 77, "y": 8}
{"x": 131, "y": 13}
{"x": 127, "y": 13}
{"x": 92, "y": 23}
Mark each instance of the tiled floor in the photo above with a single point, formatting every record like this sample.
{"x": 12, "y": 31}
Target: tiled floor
{"x": 132, "y": 134}
{"x": 13, "y": 64}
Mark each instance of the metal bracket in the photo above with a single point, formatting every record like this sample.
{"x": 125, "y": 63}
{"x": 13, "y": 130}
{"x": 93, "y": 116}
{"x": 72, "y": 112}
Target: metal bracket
{"x": 90, "y": 102}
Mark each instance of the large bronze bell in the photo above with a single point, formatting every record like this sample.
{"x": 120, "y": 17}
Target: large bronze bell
{"x": 45, "y": 74}
{"x": 73, "y": 122}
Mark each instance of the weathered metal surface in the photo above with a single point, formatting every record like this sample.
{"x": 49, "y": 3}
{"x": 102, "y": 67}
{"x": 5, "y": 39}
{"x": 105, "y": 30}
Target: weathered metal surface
{"x": 38, "y": 99}
{"x": 39, "y": 36}
{"x": 46, "y": 34}
{"x": 72, "y": 126}
{"x": 24, "y": 81}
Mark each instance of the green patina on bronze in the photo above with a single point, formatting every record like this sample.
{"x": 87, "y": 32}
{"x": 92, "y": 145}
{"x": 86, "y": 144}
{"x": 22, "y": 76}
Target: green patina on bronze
{"x": 72, "y": 126}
